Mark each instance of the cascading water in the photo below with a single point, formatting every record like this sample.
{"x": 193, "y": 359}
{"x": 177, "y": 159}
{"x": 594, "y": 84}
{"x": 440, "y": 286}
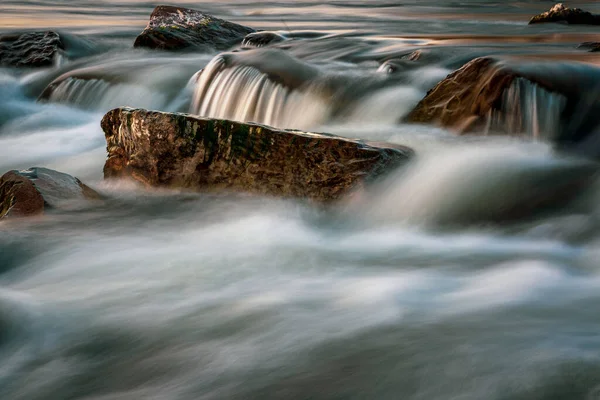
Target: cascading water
{"x": 243, "y": 93}
{"x": 98, "y": 94}
{"x": 528, "y": 109}
{"x": 469, "y": 273}
{"x": 252, "y": 90}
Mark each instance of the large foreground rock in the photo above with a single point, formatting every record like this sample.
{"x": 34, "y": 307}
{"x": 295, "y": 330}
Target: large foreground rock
{"x": 176, "y": 28}
{"x": 31, "y": 49}
{"x": 562, "y": 14}
{"x": 31, "y": 192}
{"x": 180, "y": 150}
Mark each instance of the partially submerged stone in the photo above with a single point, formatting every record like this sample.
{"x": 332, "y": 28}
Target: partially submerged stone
{"x": 562, "y": 14}
{"x": 31, "y": 192}
{"x": 184, "y": 151}
{"x": 591, "y": 46}
{"x": 177, "y": 28}
{"x": 262, "y": 39}
{"x": 30, "y": 49}
{"x": 516, "y": 97}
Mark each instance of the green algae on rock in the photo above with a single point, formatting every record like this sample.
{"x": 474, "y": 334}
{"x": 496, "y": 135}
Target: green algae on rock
{"x": 185, "y": 151}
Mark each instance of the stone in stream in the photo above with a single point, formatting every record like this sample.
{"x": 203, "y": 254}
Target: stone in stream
{"x": 591, "y": 46}
{"x": 262, "y": 39}
{"x": 31, "y": 192}
{"x": 177, "y": 28}
{"x": 184, "y": 151}
{"x": 561, "y": 14}
{"x": 553, "y": 100}
{"x": 30, "y": 49}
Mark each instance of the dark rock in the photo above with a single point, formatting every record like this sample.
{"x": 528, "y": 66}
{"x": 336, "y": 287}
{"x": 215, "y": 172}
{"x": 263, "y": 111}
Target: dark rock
{"x": 176, "y": 28}
{"x": 561, "y": 14}
{"x": 33, "y": 49}
{"x": 181, "y": 150}
{"x": 591, "y": 46}
{"x": 262, "y": 39}
{"x": 31, "y": 192}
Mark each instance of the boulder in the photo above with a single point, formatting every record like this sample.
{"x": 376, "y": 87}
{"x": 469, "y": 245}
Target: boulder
{"x": 516, "y": 97}
{"x": 561, "y": 14}
{"x": 31, "y": 192}
{"x": 31, "y": 49}
{"x": 184, "y": 151}
{"x": 176, "y": 28}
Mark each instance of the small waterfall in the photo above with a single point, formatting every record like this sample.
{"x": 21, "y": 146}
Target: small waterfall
{"x": 528, "y": 109}
{"x": 98, "y": 94}
{"x": 270, "y": 87}
{"x": 244, "y": 93}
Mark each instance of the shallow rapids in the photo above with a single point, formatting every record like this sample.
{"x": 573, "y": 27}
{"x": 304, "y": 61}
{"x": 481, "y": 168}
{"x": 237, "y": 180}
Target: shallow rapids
{"x": 471, "y": 273}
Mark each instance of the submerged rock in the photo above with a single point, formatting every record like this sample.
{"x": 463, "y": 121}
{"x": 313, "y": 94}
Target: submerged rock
{"x": 180, "y": 150}
{"x": 560, "y": 13}
{"x": 176, "y": 28}
{"x": 32, "y": 191}
{"x": 31, "y": 49}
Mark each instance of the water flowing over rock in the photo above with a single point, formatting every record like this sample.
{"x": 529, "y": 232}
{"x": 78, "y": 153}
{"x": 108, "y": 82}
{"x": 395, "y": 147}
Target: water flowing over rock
{"x": 180, "y": 150}
{"x": 31, "y": 192}
{"x": 591, "y": 46}
{"x": 554, "y": 101}
{"x": 562, "y": 14}
{"x": 262, "y": 39}
{"x": 269, "y": 86}
{"x": 176, "y": 28}
{"x": 32, "y": 49}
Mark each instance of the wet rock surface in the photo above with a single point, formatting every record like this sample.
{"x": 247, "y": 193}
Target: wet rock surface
{"x": 180, "y": 150}
{"x": 562, "y": 14}
{"x": 31, "y": 192}
{"x": 30, "y": 49}
{"x": 177, "y": 28}
{"x": 262, "y": 39}
{"x": 489, "y": 95}
{"x": 465, "y": 97}
{"x": 591, "y": 46}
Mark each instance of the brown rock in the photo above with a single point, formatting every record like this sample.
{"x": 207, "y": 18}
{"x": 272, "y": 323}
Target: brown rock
{"x": 180, "y": 150}
{"x": 32, "y": 49}
{"x": 176, "y": 28}
{"x": 560, "y": 13}
{"x": 31, "y": 192}
{"x": 465, "y": 97}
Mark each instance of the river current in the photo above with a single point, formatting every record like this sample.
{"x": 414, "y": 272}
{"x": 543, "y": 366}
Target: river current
{"x": 398, "y": 295}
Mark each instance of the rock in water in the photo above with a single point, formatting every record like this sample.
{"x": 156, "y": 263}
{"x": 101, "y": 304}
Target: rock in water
{"x": 33, "y": 49}
{"x": 30, "y": 192}
{"x": 176, "y": 28}
{"x": 591, "y": 46}
{"x": 560, "y": 13}
{"x": 550, "y": 100}
{"x": 262, "y": 39}
{"x": 181, "y": 150}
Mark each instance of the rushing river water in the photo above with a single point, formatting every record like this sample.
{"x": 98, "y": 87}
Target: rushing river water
{"x": 415, "y": 291}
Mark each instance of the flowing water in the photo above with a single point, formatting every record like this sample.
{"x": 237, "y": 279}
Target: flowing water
{"x": 439, "y": 282}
